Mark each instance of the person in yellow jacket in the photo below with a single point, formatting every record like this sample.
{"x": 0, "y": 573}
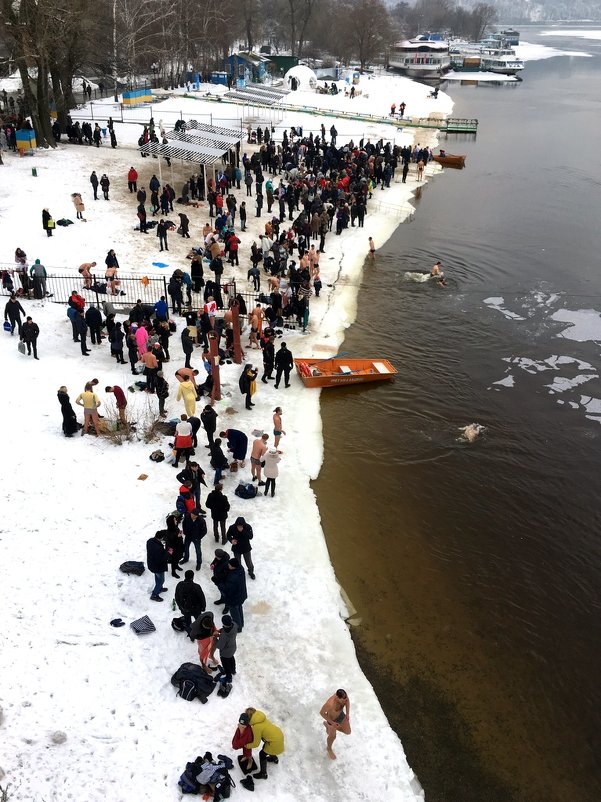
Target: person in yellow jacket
{"x": 187, "y": 391}
{"x": 270, "y": 734}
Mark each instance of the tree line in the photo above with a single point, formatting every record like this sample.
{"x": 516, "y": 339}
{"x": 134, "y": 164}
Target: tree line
{"x": 50, "y": 41}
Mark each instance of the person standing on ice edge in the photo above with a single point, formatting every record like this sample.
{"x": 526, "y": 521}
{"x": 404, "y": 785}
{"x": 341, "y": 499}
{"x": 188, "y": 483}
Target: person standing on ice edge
{"x": 156, "y": 560}
{"x": 271, "y": 737}
{"x": 336, "y": 713}
{"x": 283, "y": 364}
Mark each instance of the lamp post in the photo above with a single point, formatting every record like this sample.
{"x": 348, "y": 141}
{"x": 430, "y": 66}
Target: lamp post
{"x": 155, "y": 68}
{"x": 115, "y": 49}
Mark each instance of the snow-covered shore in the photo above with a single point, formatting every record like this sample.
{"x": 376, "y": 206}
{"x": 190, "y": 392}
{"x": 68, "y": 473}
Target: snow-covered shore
{"x": 75, "y": 509}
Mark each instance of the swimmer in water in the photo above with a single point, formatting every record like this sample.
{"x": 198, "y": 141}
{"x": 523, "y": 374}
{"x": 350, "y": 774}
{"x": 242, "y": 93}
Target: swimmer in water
{"x": 472, "y": 432}
{"x": 437, "y": 274}
{"x": 372, "y": 247}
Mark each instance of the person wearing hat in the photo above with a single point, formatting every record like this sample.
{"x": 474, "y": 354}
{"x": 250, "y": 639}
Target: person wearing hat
{"x": 208, "y": 418}
{"x": 226, "y": 645}
{"x": 242, "y": 739}
{"x": 239, "y": 535}
{"x": 156, "y": 560}
{"x": 190, "y": 599}
{"x": 29, "y": 335}
{"x": 234, "y": 591}
{"x": 283, "y": 364}
{"x": 194, "y": 528}
{"x": 204, "y": 631}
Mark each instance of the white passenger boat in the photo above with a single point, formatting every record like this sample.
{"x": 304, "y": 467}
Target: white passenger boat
{"x": 421, "y": 57}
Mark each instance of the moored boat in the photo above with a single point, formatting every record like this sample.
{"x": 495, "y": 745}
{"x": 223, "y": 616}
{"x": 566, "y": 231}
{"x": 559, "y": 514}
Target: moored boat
{"x": 340, "y": 371}
{"x": 450, "y": 160}
{"x": 426, "y": 56}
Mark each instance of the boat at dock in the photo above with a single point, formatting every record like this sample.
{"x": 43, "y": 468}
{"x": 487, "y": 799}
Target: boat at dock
{"x": 490, "y": 55}
{"x": 426, "y": 56}
{"x": 340, "y": 371}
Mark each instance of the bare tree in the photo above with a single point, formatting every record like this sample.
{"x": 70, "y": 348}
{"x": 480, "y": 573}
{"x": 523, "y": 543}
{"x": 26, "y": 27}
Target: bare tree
{"x": 366, "y": 24}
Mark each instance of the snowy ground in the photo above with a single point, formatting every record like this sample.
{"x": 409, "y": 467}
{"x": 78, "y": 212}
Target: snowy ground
{"x": 75, "y": 509}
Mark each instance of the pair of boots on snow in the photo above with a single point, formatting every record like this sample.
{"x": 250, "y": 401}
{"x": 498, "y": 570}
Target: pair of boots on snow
{"x": 264, "y": 758}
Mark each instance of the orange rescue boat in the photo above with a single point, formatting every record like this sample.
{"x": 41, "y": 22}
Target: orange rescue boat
{"x": 339, "y": 371}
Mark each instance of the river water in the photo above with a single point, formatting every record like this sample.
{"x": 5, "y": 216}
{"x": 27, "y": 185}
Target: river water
{"x": 476, "y": 569}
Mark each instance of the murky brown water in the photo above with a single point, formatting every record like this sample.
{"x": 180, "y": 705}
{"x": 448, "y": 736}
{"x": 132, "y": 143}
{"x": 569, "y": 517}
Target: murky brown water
{"x": 476, "y": 569}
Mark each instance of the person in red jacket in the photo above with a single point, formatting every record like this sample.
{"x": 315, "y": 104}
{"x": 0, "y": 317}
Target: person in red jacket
{"x": 120, "y": 401}
{"x": 76, "y": 301}
{"x": 243, "y": 737}
{"x": 132, "y": 180}
{"x": 183, "y": 442}
{"x": 233, "y": 242}
{"x": 185, "y": 501}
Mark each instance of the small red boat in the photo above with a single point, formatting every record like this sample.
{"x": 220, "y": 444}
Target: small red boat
{"x": 339, "y": 371}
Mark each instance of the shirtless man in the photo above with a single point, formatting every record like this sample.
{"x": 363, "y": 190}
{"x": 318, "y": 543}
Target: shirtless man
{"x": 256, "y": 456}
{"x": 372, "y": 247}
{"x": 85, "y": 270}
{"x": 188, "y": 374}
{"x": 277, "y": 426}
{"x": 336, "y": 713}
{"x": 254, "y": 319}
{"x": 437, "y": 274}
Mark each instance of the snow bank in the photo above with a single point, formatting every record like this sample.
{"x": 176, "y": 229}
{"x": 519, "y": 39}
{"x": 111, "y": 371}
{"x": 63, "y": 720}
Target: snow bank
{"x": 75, "y": 509}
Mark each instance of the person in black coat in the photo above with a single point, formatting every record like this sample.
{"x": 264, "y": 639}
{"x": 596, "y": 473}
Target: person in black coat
{"x": 184, "y": 225}
{"x": 239, "y": 535}
{"x": 94, "y": 183}
{"x": 156, "y": 560}
{"x": 82, "y": 330}
{"x": 219, "y": 462}
{"x": 193, "y": 473}
{"x": 105, "y": 184}
{"x": 194, "y": 528}
{"x": 30, "y": 332}
{"x": 190, "y": 599}
{"x": 162, "y": 235}
{"x": 197, "y": 273}
{"x": 219, "y": 506}
{"x": 175, "y": 291}
{"x": 93, "y": 318}
{"x": 187, "y": 346}
{"x": 268, "y": 358}
{"x": 132, "y": 351}
{"x": 174, "y": 542}
{"x": 116, "y": 338}
{"x": 12, "y": 312}
{"x": 208, "y": 419}
{"x": 283, "y": 364}
{"x": 234, "y": 591}
{"x": 70, "y": 424}
{"x": 220, "y": 570}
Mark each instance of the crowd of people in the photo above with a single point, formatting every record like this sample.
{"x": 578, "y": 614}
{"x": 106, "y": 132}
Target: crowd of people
{"x": 308, "y": 188}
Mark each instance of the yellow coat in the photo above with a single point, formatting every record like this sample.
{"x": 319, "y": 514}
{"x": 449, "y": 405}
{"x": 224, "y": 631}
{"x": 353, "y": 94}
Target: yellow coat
{"x": 187, "y": 391}
{"x": 264, "y": 730}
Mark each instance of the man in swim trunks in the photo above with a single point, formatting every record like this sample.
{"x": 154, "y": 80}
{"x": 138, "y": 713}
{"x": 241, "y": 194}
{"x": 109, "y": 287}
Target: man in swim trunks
{"x": 336, "y": 713}
{"x": 277, "y": 425}
{"x": 437, "y": 274}
{"x": 256, "y": 457}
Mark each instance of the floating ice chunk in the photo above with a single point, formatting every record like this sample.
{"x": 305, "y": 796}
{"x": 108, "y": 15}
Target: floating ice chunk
{"x": 560, "y": 383}
{"x": 497, "y": 303}
{"x": 585, "y": 324}
{"x": 527, "y": 364}
{"x": 508, "y": 381}
{"x": 592, "y": 405}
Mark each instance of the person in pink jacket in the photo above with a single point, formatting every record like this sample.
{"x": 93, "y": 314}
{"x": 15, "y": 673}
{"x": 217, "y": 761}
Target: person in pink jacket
{"x": 141, "y": 339}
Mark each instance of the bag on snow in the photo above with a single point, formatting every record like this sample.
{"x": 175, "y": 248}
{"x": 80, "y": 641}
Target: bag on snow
{"x": 178, "y": 624}
{"x": 247, "y": 490}
{"x": 204, "y": 683}
{"x": 143, "y": 626}
{"x": 233, "y": 467}
{"x": 132, "y": 567}
{"x": 157, "y": 456}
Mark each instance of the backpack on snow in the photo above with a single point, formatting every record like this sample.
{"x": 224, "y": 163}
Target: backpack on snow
{"x": 157, "y": 456}
{"x": 132, "y": 567}
{"x": 178, "y": 625}
{"x": 247, "y": 490}
{"x": 187, "y": 690}
{"x": 205, "y": 684}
